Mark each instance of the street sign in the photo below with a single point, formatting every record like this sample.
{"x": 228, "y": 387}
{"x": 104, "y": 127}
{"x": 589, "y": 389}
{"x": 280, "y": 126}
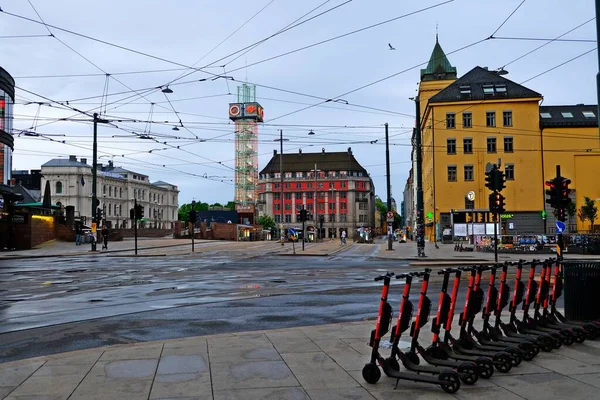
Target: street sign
{"x": 390, "y": 216}
{"x": 292, "y": 232}
{"x": 560, "y": 227}
{"x": 471, "y": 196}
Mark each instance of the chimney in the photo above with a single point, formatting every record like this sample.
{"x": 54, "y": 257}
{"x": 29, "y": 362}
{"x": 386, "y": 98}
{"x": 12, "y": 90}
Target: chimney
{"x": 274, "y": 152}
{"x": 72, "y": 158}
{"x": 99, "y": 166}
{"x": 323, "y": 150}
{"x": 110, "y": 164}
{"x": 350, "y": 150}
{"x": 84, "y": 160}
{"x": 299, "y": 151}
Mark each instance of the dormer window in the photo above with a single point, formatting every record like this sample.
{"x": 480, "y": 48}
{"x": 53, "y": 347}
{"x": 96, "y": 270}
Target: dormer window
{"x": 500, "y": 90}
{"x": 589, "y": 114}
{"x": 567, "y": 114}
{"x": 465, "y": 91}
{"x": 488, "y": 90}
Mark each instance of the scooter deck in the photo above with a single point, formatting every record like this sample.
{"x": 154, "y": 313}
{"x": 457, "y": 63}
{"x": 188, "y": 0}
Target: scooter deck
{"x": 500, "y": 337}
{"x": 474, "y": 352}
{"x": 408, "y": 376}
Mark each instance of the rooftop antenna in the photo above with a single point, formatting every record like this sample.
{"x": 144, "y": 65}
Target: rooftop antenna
{"x": 436, "y": 31}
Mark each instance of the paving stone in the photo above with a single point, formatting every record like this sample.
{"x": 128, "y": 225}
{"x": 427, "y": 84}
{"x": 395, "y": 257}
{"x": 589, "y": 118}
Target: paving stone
{"x": 130, "y": 369}
{"x": 254, "y": 340}
{"x": 14, "y": 376}
{"x": 489, "y": 393}
{"x": 181, "y": 385}
{"x": 59, "y": 370}
{"x": 182, "y": 365}
{"x": 318, "y": 371}
{"x": 5, "y": 390}
{"x": 252, "y": 375}
{"x": 425, "y": 393}
{"x": 292, "y": 342}
{"x": 583, "y": 352}
{"x": 110, "y": 389}
{"x": 286, "y": 393}
{"x": 52, "y": 385}
{"x": 564, "y": 365}
{"x": 590, "y": 379}
{"x": 244, "y": 353}
{"x": 546, "y": 387}
{"x": 133, "y": 353}
{"x": 80, "y": 359}
{"x": 186, "y": 348}
{"x": 38, "y": 397}
{"x": 355, "y": 393}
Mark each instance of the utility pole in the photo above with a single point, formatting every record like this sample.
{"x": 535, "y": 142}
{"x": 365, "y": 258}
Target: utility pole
{"x": 389, "y": 185}
{"x": 419, "y": 174}
{"x": 598, "y": 74}
{"x": 193, "y": 222}
{"x": 315, "y": 214}
{"x": 94, "y": 179}
{"x": 135, "y": 215}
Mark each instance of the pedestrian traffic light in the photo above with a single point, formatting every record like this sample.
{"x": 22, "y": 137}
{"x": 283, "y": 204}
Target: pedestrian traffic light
{"x": 490, "y": 176}
{"x": 98, "y": 214}
{"x": 552, "y": 192}
{"x": 564, "y": 200}
{"x": 561, "y": 214}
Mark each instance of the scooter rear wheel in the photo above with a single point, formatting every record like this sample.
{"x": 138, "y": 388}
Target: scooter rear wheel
{"x": 486, "y": 368}
{"x": 468, "y": 374}
{"x": 515, "y": 356}
{"x": 371, "y": 373}
{"x": 502, "y": 362}
{"x": 413, "y": 357}
{"x": 451, "y": 382}
{"x": 393, "y": 363}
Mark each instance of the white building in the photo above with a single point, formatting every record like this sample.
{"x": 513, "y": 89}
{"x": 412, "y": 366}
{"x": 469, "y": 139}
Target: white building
{"x": 71, "y": 185}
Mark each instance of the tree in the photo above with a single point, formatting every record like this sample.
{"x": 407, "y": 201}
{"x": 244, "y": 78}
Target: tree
{"x": 380, "y": 206}
{"x": 571, "y": 212}
{"x": 231, "y": 205}
{"x": 216, "y": 205}
{"x": 185, "y": 209}
{"x": 267, "y": 222}
{"x": 590, "y": 211}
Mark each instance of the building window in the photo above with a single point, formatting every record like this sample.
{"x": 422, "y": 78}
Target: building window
{"x": 120, "y": 193}
{"x": 104, "y": 189}
{"x": 109, "y": 210}
{"x": 277, "y": 218}
{"x": 298, "y": 186}
{"x": 342, "y": 195}
{"x": 468, "y": 146}
{"x": 331, "y": 185}
{"x": 309, "y": 185}
{"x": 509, "y": 172}
{"x": 451, "y": 146}
{"x": 332, "y": 206}
{"x": 276, "y": 186}
{"x": 287, "y": 186}
{"x": 309, "y": 207}
{"x": 467, "y": 120}
{"x": 288, "y": 206}
{"x": 331, "y": 217}
{"x": 342, "y": 217}
{"x": 469, "y": 173}
{"x": 120, "y": 210}
{"x": 362, "y": 218}
{"x": 490, "y": 119}
{"x": 451, "y": 173}
{"x": 465, "y": 91}
{"x": 320, "y": 185}
{"x": 277, "y": 207}
{"x": 507, "y": 118}
{"x": 58, "y": 187}
{"x": 110, "y": 191}
{"x": 322, "y": 195}
{"x": 450, "y": 120}
{"x": 277, "y": 196}
{"x": 309, "y": 195}
{"x": 288, "y": 218}
{"x": 288, "y": 196}
{"x": 362, "y": 206}
{"x": 298, "y": 207}
{"x": 321, "y": 206}
{"x": 277, "y": 175}
{"x": 342, "y": 206}
{"x": 298, "y": 195}
{"x": 508, "y": 144}
{"x": 491, "y": 145}
{"x": 343, "y": 185}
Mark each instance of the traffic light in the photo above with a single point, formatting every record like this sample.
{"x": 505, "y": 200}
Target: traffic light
{"x": 499, "y": 180}
{"x": 321, "y": 220}
{"x": 192, "y": 216}
{"x": 490, "y": 177}
{"x": 564, "y": 190}
{"x": 98, "y": 214}
{"x": 131, "y": 214}
{"x": 552, "y": 192}
{"x": 561, "y": 214}
{"x": 497, "y": 203}
{"x": 139, "y": 212}
{"x": 302, "y": 216}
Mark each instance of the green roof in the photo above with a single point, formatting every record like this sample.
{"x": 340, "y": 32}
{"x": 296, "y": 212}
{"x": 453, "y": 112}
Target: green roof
{"x": 438, "y": 67}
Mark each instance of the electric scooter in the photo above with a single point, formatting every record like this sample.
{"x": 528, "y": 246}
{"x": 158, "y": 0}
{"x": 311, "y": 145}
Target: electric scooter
{"x": 495, "y": 333}
{"x": 475, "y": 297}
{"x": 592, "y": 327}
{"x": 468, "y": 371}
{"x": 439, "y": 352}
{"x": 566, "y": 336}
{"x": 449, "y": 380}
{"x": 502, "y": 360}
{"x": 542, "y": 301}
{"x": 528, "y": 349}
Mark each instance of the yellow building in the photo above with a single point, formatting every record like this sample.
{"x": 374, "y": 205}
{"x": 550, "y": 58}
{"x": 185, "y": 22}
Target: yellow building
{"x": 482, "y": 118}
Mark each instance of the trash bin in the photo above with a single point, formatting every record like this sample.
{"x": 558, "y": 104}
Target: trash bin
{"x": 582, "y": 290}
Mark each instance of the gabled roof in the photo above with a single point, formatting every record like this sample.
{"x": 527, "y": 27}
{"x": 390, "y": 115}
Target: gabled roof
{"x": 60, "y": 162}
{"x": 482, "y": 84}
{"x": 563, "y": 116}
{"x": 438, "y": 67}
{"x": 305, "y": 162}
{"x": 162, "y": 183}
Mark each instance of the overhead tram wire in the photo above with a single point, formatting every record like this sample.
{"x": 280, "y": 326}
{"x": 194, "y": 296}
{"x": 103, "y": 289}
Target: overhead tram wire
{"x": 507, "y": 18}
{"x": 98, "y": 74}
{"x": 23, "y": 36}
{"x": 559, "y": 65}
{"x": 546, "y": 39}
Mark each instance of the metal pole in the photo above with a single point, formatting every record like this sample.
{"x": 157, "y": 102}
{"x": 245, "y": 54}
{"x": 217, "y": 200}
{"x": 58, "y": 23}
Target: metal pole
{"x": 135, "y": 223}
{"x": 193, "y": 225}
{"x": 315, "y": 214}
{"x": 333, "y": 219}
{"x": 419, "y": 174}
{"x": 560, "y": 244}
{"x": 598, "y": 74}
{"x": 495, "y": 235}
{"x": 281, "y": 176}
{"x": 94, "y": 178}
{"x": 302, "y": 213}
{"x": 389, "y": 184}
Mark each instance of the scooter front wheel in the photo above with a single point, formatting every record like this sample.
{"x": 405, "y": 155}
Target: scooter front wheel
{"x": 515, "y": 356}
{"x": 486, "y": 367}
{"x": 393, "y": 363}
{"x": 371, "y": 373}
{"x": 502, "y": 362}
{"x": 450, "y": 382}
{"x": 468, "y": 374}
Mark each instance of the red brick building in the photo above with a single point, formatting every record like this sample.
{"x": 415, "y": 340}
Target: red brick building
{"x": 332, "y": 185}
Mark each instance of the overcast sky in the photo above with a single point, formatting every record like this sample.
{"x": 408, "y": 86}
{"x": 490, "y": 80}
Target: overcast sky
{"x": 187, "y": 32}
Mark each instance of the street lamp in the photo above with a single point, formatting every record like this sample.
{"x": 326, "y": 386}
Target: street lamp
{"x": 315, "y": 203}
{"x": 332, "y": 219}
{"x": 95, "y": 202}
{"x": 281, "y": 140}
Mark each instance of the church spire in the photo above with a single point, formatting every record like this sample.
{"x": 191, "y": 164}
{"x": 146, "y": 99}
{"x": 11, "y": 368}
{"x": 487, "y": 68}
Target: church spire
{"x": 438, "y": 68}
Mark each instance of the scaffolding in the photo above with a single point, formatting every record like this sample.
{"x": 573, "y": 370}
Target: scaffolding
{"x": 246, "y": 149}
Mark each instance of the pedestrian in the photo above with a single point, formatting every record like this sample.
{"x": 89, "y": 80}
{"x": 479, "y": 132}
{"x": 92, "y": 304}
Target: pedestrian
{"x": 77, "y": 235}
{"x": 105, "y": 237}
{"x": 343, "y": 237}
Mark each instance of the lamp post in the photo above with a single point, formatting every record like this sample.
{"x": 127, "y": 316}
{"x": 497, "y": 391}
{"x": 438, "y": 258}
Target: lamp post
{"x": 419, "y": 174}
{"x": 389, "y": 185}
{"x": 332, "y": 219}
{"x": 281, "y": 140}
{"x": 315, "y": 205}
{"x": 193, "y": 230}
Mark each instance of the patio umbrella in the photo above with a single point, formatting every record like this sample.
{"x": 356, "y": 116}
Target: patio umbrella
{"x": 47, "y": 202}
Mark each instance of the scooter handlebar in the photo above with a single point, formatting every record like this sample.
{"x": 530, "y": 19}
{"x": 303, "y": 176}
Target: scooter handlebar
{"x": 422, "y": 273}
{"x": 382, "y": 277}
{"x": 449, "y": 270}
{"x": 404, "y": 275}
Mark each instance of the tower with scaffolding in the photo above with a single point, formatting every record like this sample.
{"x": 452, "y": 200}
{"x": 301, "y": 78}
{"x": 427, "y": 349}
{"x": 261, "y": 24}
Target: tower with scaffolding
{"x": 246, "y": 114}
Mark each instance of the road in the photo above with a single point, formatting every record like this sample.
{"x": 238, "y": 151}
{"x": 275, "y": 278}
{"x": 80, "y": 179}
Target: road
{"x": 78, "y": 302}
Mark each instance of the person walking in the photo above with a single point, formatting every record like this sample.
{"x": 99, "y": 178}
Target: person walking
{"x": 104, "y": 237}
{"x": 343, "y": 237}
{"x": 77, "y": 235}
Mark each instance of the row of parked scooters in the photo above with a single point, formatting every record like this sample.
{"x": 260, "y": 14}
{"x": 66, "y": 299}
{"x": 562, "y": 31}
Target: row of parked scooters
{"x": 475, "y": 353}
